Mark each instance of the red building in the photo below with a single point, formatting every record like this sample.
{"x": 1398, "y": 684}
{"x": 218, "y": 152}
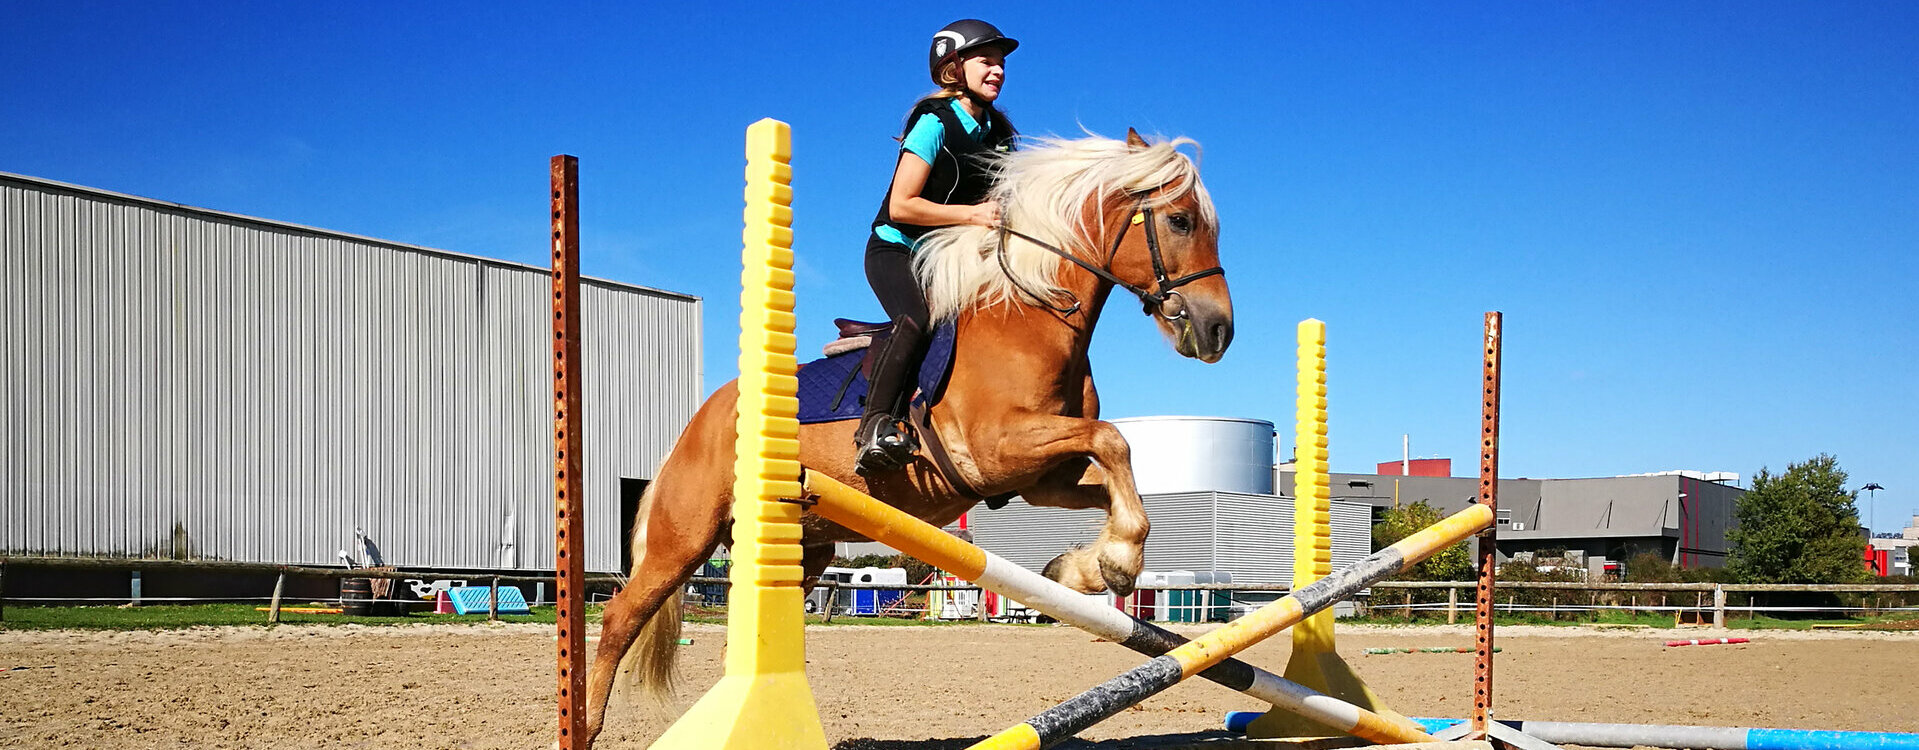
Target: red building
{"x": 1418, "y": 467}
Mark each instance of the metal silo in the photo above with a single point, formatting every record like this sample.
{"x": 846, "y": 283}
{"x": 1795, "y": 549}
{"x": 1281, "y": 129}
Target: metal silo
{"x": 1200, "y": 454}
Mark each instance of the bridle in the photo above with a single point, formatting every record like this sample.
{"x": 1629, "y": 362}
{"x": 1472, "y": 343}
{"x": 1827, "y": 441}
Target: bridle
{"x": 1152, "y": 301}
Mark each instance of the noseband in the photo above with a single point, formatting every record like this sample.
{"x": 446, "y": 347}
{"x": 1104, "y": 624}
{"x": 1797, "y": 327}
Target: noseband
{"x": 1153, "y": 300}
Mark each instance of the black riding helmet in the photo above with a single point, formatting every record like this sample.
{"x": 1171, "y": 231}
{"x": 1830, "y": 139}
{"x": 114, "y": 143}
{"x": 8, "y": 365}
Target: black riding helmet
{"x": 962, "y": 35}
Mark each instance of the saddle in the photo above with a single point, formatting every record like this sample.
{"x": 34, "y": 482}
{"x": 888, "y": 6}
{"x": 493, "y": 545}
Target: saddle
{"x": 856, "y": 335}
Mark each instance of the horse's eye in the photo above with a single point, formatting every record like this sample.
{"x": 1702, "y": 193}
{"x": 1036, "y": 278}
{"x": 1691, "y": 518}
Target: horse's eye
{"x": 1180, "y": 223}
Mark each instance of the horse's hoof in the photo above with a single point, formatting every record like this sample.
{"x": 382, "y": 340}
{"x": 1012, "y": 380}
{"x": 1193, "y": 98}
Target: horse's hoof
{"x": 1117, "y": 581}
{"x": 1055, "y": 568}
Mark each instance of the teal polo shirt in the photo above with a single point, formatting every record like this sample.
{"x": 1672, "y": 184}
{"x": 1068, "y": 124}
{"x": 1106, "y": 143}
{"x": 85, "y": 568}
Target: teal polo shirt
{"x": 924, "y": 140}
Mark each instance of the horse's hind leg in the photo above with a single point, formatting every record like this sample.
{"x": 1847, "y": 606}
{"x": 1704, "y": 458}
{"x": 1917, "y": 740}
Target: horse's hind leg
{"x": 681, "y": 519}
{"x": 647, "y": 610}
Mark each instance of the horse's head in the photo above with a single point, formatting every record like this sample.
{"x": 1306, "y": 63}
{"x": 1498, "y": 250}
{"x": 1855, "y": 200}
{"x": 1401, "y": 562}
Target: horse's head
{"x": 1166, "y": 251}
{"x": 1129, "y": 214}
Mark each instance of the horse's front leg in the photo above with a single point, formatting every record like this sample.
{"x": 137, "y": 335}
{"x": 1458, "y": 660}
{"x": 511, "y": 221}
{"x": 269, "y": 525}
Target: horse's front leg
{"x": 1066, "y": 444}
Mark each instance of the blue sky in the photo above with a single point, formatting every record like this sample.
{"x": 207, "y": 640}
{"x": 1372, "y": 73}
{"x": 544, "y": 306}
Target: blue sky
{"x": 1699, "y": 218}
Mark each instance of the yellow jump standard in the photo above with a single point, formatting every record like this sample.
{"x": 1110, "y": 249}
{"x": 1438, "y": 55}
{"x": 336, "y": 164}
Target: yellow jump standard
{"x": 763, "y": 701}
{"x": 1314, "y": 662}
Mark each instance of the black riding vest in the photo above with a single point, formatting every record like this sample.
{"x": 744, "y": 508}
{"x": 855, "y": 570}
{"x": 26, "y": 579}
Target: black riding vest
{"x": 959, "y": 176}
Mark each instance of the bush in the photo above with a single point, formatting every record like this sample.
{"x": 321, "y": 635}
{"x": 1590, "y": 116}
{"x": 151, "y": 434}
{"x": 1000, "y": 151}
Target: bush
{"x": 1453, "y": 563}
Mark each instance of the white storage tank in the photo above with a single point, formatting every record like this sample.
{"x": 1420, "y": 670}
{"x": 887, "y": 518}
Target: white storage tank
{"x": 1200, "y": 454}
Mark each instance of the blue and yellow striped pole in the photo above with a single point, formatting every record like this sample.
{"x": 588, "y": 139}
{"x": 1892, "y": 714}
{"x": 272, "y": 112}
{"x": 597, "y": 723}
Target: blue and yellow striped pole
{"x": 1067, "y": 719}
{"x": 763, "y": 701}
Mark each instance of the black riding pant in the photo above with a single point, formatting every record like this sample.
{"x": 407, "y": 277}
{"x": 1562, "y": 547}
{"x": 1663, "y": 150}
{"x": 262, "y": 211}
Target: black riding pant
{"x": 889, "y": 268}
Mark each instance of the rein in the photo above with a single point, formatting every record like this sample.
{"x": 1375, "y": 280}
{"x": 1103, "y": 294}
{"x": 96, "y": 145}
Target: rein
{"x": 1150, "y": 300}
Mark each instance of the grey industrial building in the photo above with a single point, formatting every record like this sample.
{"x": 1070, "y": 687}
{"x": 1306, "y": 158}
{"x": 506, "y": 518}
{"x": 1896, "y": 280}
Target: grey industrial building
{"x": 187, "y": 383}
{"x": 1680, "y": 516}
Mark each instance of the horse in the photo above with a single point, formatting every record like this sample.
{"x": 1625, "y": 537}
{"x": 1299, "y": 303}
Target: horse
{"x": 1019, "y": 413}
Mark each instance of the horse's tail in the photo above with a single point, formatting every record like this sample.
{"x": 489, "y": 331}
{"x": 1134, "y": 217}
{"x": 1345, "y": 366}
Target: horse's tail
{"x": 658, "y": 641}
{"x": 659, "y": 649}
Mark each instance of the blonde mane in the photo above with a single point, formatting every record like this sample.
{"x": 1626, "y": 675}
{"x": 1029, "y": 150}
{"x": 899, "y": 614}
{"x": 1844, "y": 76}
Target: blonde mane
{"x": 1043, "y": 190}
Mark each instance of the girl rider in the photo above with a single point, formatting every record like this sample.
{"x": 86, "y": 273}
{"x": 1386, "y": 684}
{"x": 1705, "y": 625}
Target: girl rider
{"x": 940, "y": 180}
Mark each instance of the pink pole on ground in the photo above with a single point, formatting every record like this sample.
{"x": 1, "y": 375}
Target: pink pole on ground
{"x": 1707, "y": 641}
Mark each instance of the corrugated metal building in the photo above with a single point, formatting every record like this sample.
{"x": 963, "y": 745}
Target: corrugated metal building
{"x": 196, "y": 384}
{"x": 1247, "y": 535}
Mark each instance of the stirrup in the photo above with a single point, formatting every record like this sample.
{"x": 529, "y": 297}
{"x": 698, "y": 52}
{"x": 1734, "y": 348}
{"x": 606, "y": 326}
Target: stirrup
{"x": 885, "y": 442}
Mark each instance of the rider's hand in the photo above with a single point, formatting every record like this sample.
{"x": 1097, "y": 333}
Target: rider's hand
{"x": 985, "y": 214}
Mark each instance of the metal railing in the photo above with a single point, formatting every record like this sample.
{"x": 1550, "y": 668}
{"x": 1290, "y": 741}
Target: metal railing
{"x": 1376, "y": 600}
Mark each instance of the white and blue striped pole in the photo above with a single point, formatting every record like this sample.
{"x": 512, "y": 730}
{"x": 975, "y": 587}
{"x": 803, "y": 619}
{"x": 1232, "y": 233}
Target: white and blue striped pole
{"x": 1658, "y": 735}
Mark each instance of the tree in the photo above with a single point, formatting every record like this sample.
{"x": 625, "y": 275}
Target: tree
{"x": 1453, "y": 563}
{"x": 1798, "y": 527}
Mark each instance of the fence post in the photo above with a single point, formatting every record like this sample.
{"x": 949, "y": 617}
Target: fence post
{"x": 1452, "y": 605}
{"x": 1718, "y": 606}
{"x": 832, "y": 598}
{"x": 493, "y": 600}
{"x": 3, "y": 590}
{"x": 273, "y": 609}
{"x": 981, "y": 608}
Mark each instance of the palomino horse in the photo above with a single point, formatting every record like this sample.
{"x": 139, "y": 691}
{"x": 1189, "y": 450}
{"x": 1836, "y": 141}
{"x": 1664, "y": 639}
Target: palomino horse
{"x": 1019, "y": 412}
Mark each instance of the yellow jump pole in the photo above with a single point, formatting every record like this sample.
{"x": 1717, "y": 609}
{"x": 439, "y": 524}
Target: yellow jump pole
{"x": 1113, "y": 696}
{"x": 1314, "y": 662}
{"x": 763, "y": 702}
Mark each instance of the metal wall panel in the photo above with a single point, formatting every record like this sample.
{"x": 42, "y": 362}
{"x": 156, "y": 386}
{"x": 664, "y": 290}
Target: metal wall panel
{"x": 189, "y": 383}
{"x": 1248, "y": 535}
{"x": 1256, "y": 537}
{"x": 1352, "y": 524}
{"x": 1029, "y": 536}
{"x": 1182, "y": 537}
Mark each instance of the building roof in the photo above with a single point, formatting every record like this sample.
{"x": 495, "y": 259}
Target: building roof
{"x": 42, "y": 183}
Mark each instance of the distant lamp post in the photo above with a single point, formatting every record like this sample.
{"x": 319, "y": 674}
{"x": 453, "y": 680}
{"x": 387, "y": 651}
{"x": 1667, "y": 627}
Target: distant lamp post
{"x": 1872, "y": 507}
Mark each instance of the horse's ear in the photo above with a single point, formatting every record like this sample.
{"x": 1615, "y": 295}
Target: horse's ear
{"x": 1133, "y": 139}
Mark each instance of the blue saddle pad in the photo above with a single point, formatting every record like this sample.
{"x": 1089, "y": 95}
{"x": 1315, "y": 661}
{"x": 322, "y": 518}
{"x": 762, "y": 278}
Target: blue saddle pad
{"x": 822, "y": 398}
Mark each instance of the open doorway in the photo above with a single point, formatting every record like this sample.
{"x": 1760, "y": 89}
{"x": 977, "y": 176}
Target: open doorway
{"x": 630, "y": 492}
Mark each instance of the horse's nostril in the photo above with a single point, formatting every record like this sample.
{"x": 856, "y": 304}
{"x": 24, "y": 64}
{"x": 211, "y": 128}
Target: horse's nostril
{"x": 1222, "y": 335}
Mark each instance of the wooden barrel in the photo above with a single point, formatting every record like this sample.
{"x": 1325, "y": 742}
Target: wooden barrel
{"x": 356, "y": 596}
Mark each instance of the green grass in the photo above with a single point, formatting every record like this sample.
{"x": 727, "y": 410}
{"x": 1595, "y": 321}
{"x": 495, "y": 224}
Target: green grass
{"x": 1762, "y": 622}
{"x": 1604, "y": 617}
{"x": 169, "y": 617}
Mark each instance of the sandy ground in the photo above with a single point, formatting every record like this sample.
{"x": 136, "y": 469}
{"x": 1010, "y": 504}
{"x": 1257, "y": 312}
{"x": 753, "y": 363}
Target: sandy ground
{"x": 482, "y": 686}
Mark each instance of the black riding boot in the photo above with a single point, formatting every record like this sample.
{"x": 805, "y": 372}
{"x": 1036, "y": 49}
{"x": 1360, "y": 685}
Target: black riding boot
{"x": 884, "y": 438}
